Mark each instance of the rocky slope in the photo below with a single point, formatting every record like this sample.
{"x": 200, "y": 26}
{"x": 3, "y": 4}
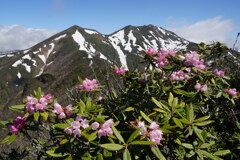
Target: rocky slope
{"x": 55, "y": 63}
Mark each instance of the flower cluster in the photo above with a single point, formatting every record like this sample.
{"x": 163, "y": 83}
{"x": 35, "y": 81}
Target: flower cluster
{"x": 162, "y": 57}
{"x": 179, "y": 76}
{"x": 202, "y": 88}
{"x": 76, "y": 125}
{"x": 75, "y": 128}
{"x": 219, "y": 73}
{"x": 232, "y": 92}
{"x": 153, "y": 131}
{"x": 62, "y": 112}
{"x": 89, "y": 85}
{"x": 33, "y": 104}
{"x": 105, "y": 128}
{"x": 119, "y": 71}
{"x": 192, "y": 59}
{"x": 18, "y": 123}
{"x": 151, "y": 51}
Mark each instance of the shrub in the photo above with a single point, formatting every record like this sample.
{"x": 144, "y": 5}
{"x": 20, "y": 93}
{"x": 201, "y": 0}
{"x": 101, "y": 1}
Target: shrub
{"x": 178, "y": 108}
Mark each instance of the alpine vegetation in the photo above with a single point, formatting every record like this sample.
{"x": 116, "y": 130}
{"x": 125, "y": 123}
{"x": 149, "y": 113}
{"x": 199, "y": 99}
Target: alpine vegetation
{"x": 176, "y": 108}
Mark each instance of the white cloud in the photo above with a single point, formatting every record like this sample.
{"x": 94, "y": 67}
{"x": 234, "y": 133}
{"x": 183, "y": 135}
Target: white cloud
{"x": 214, "y": 29}
{"x": 19, "y": 37}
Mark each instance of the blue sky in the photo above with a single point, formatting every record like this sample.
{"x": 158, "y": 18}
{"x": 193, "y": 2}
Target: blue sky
{"x": 196, "y": 20}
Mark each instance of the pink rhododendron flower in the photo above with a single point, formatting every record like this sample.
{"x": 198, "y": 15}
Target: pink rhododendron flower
{"x": 89, "y": 85}
{"x": 192, "y": 59}
{"x": 153, "y": 125}
{"x": 106, "y": 129}
{"x": 162, "y": 61}
{"x": 84, "y": 123}
{"x": 18, "y": 123}
{"x": 152, "y": 131}
{"x": 95, "y": 125}
{"x": 76, "y": 132}
{"x": 197, "y": 86}
{"x": 202, "y": 88}
{"x": 179, "y": 76}
{"x": 181, "y": 57}
{"x": 119, "y": 71}
{"x": 33, "y": 104}
{"x": 156, "y": 136}
{"x": 74, "y": 129}
{"x": 168, "y": 53}
{"x": 62, "y": 112}
{"x": 232, "y": 92}
{"x": 151, "y": 51}
{"x": 143, "y": 131}
{"x": 141, "y": 124}
{"x": 219, "y": 73}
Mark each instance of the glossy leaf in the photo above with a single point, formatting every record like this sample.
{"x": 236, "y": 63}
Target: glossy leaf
{"x": 145, "y": 117}
{"x": 157, "y": 153}
{"x": 117, "y": 134}
{"x": 112, "y": 146}
{"x": 126, "y": 155}
{"x": 134, "y": 135}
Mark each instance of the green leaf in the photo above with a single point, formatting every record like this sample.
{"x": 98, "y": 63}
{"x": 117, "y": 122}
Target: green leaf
{"x": 160, "y": 110}
{"x": 170, "y": 99}
{"x": 4, "y": 122}
{"x": 160, "y": 105}
{"x": 117, "y": 134}
{"x": 61, "y": 125}
{"x": 53, "y": 154}
{"x": 129, "y": 109}
{"x": 134, "y": 135}
{"x": 92, "y": 136}
{"x": 44, "y": 115}
{"x": 204, "y": 123}
{"x": 12, "y": 138}
{"x": 145, "y": 117}
{"x": 142, "y": 143}
{"x": 64, "y": 141}
{"x": 99, "y": 156}
{"x": 36, "y": 115}
{"x": 207, "y": 145}
{"x": 178, "y": 122}
{"x": 17, "y": 108}
{"x": 157, "y": 153}
{"x": 39, "y": 93}
{"x": 209, "y": 155}
{"x": 182, "y": 92}
{"x": 5, "y": 140}
{"x": 112, "y": 146}
{"x": 198, "y": 132}
{"x": 187, "y": 145}
{"x": 126, "y": 155}
{"x": 88, "y": 103}
{"x": 190, "y": 113}
{"x": 82, "y": 106}
{"x": 202, "y": 119}
{"x": 222, "y": 152}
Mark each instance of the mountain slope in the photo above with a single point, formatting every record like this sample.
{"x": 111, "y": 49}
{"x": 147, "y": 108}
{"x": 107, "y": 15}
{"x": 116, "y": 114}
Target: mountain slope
{"x": 55, "y": 63}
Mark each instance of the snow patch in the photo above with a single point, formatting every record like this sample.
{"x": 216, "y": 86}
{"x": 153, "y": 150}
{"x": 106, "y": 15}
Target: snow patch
{"x": 62, "y": 36}
{"x": 130, "y": 38}
{"x": 25, "y": 51}
{"x": 43, "y": 58}
{"x": 40, "y": 72}
{"x": 90, "y": 31}
{"x": 163, "y": 31}
{"x": 80, "y": 40}
{"x": 19, "y": 75}
{"x": 17, "y": 63}
{"x": 115, "y": 40}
